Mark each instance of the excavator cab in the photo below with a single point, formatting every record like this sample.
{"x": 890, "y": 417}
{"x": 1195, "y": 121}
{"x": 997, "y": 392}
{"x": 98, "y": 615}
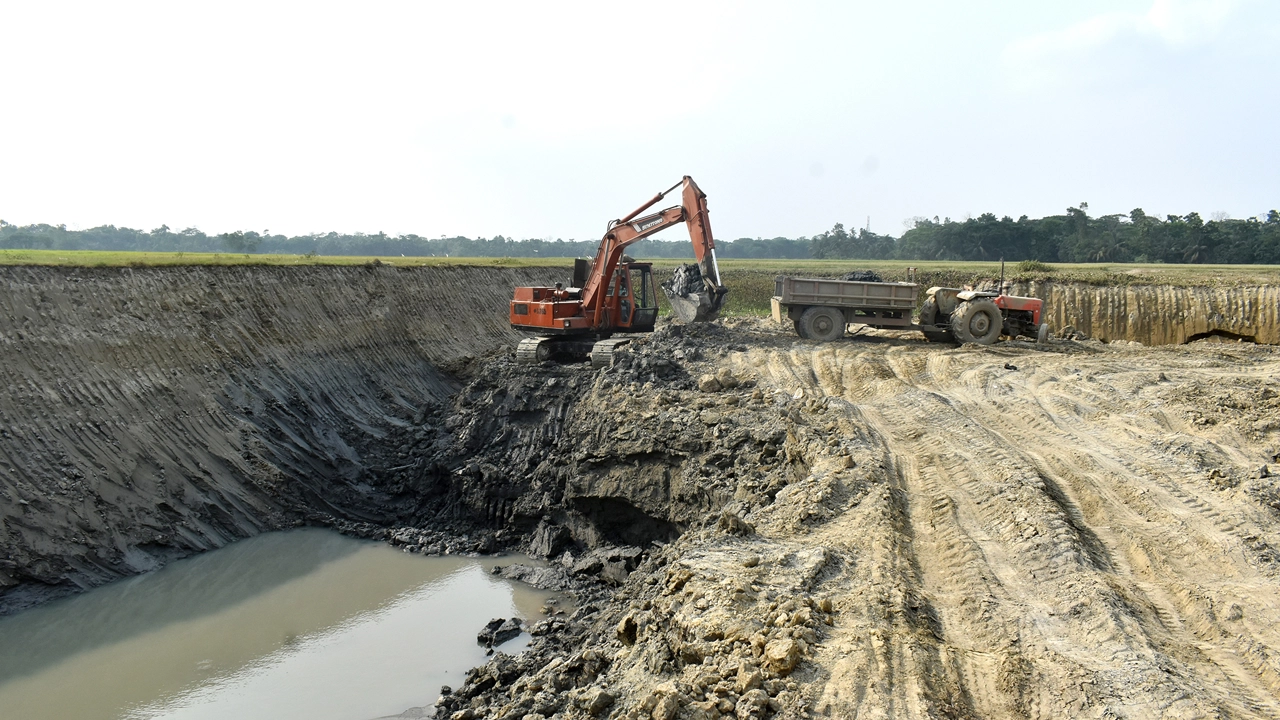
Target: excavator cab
{"x": 637, "y": 303}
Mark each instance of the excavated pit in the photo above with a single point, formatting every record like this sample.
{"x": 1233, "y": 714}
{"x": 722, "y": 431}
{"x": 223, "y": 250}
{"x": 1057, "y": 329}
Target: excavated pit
{"x": 1161, "y": 314}
{"x": 755, "y": 526}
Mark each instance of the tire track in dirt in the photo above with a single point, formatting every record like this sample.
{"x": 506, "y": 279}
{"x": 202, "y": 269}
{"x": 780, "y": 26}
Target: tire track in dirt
{"x": 1074, "y": 562}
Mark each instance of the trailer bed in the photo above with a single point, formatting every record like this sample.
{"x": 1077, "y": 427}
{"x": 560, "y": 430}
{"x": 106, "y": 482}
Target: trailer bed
{"x": 845, "y": 293}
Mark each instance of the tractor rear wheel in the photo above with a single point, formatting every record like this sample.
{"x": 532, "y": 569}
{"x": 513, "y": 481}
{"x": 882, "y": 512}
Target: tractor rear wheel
{"x": 822, "y": 324}
{"x": 977, "y": 321}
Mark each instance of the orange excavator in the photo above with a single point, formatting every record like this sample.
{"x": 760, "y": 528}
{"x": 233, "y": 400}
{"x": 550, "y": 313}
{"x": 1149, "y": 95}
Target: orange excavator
{"x": 614, "y": 294}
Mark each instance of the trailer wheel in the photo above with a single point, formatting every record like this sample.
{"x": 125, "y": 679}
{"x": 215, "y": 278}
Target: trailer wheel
{"x": 799, "y": 329}
{"x": 977, "y": 321}
{"x": 822, "y": 324}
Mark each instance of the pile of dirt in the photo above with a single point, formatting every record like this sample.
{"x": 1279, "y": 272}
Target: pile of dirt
{"x": 627, "y": 455}
{"x": 862, "y": 276}
{"x": 685, "y": 279}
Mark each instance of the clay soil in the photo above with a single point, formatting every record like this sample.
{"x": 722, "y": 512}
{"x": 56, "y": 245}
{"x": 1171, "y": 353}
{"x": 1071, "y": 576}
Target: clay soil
{"x": 1074, "y": 531}
{"x": 1077, "y": 530}
{"x": 755, "y": 526}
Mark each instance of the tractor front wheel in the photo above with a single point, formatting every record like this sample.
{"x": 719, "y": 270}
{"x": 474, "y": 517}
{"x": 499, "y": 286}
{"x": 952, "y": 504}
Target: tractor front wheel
{"x": 929, "y": 312}
{"x": 977, "y": 321}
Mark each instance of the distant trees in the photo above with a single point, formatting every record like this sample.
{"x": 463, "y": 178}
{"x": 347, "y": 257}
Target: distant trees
{"x": 837, "y": 243}
{"x": 1073, "y": 236}
{"x": 241, "y": 242}
{"x": 1077, "y": 237}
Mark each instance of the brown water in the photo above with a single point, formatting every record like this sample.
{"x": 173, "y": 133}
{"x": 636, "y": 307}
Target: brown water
{"x": 300, "y": 624}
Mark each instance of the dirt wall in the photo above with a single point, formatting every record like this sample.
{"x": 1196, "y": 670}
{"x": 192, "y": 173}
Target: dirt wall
{"x": 1161, "y": 314}
{"x": 148, "y": 413}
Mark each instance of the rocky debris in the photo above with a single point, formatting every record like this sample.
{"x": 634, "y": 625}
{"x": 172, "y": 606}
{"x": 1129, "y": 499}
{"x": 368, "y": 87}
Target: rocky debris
{"x": 596, "y": 701}
{"x": 611, "y": 564}
{"x": 498, "y": 631}
{"x": 545, "y": 578}
{"x": 729, "y": 522}
{"x": 862, "y": 276}
{"x": 724, "y": 376}
{"x": 781, "y": 656}
{"x": 708, "y": 383}
{"x": 686, "y": 635}
{"x": 683, "y": 636}
{"x": 549, "y": 540}
{"x": 549, "y": 679}
{"x": 723, "y": 379}
{"x": 441, "y": 539}
{"x": 685, "y": 279}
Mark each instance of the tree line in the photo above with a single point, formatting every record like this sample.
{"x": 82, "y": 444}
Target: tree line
{"x": 1071, "y": 237}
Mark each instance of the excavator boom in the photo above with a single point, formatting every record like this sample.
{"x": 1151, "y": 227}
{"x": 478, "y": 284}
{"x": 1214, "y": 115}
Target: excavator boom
{"x": 693, "y": 212}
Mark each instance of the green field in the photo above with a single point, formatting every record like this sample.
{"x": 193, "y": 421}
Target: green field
{"x": 95, "y": 258}
{"x": 750, "y": 281}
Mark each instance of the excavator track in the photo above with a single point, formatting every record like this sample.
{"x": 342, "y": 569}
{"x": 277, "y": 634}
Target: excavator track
{"x": 534, "y": 349}
{"x": 542, "y": 348}
{"x": 602, "y": 352}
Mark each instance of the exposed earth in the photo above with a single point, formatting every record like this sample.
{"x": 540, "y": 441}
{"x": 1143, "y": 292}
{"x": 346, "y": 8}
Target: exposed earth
{"x": 755, "y": 526}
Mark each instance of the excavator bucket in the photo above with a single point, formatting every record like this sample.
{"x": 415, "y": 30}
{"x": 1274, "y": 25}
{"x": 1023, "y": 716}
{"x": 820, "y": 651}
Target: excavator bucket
{"x": 692, "y": 298}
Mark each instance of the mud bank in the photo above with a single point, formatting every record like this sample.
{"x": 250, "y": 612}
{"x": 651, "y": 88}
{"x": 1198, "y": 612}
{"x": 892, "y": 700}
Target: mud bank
{"x": 1161, "y": 314}
{"x": 150, "y": 413}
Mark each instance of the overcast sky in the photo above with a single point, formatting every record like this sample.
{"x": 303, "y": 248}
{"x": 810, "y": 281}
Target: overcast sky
{"x": 547, "y": 119}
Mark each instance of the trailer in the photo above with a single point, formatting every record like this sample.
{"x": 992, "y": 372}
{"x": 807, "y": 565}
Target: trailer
{"x": 821, "y": 309}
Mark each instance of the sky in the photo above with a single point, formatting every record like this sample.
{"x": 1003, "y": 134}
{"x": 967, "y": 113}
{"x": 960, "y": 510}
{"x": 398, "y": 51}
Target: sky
{"x": 548, "y": 119}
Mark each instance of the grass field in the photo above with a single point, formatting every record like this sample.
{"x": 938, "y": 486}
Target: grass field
{"x": 750, "y": 281}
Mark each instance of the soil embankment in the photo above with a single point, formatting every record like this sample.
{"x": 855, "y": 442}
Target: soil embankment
{"x": 149, "y": 413}
{"x": 1160, "y": 314}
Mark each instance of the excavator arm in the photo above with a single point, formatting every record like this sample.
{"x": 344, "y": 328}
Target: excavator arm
{"x": 631, "y": 229}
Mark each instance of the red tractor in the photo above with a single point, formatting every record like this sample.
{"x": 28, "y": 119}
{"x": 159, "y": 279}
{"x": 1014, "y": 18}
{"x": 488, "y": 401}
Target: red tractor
{"x": 971, "y": 316}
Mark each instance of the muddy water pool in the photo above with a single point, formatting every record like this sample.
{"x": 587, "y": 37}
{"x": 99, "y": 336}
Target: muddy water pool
{"x": 299, "y": 624}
